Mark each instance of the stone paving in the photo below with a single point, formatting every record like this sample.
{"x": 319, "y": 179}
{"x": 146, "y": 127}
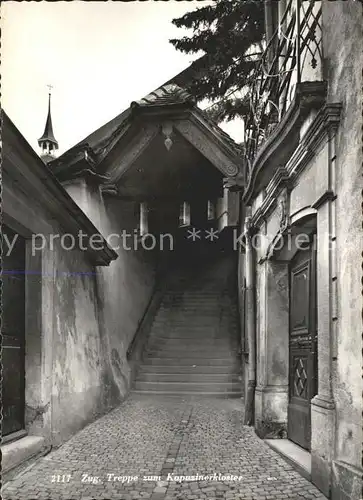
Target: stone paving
{"x": 142, "y": 449}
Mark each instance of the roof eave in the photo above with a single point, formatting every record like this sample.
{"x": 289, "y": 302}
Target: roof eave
{"x": 48, "y": 188}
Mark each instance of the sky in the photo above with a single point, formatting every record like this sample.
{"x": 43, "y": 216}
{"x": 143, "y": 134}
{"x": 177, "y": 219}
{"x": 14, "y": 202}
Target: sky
{"x": 98, "y": 56}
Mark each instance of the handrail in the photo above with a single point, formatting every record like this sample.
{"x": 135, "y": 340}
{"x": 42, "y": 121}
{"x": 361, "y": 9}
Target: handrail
{"x": 140, "y": 324}
{"x": 159, "y": 278}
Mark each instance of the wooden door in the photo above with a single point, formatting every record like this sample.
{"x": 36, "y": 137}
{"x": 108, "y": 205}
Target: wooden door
{"x": 302, "y": 346}
{"x": 13, "y": 331}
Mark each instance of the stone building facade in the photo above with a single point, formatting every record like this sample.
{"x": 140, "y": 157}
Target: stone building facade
{"x": 301, "y": 256}
{"x": 55, "y": 358}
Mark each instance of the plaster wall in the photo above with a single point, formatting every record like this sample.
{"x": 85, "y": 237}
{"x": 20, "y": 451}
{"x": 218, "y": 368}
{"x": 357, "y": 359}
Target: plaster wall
{"x": 312, "y": 182}
{"x": 343, "y": 71}
{"x": 257, "y": 202}
{"x": 277, "y": 321}
{"x": 67, "y": 378}
{"x": 272, "y": 341}
{"x": 125, "y": 287}
{"x": 81, "y": 385}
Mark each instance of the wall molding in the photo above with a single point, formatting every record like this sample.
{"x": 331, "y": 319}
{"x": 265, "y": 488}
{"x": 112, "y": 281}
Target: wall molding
{"x": 322, "y": 129}
{"x": 24, "y": 169}
{"x": 308, "y": 96}
{"x": 324, "y": 198}
{"x": 208, "y": 148}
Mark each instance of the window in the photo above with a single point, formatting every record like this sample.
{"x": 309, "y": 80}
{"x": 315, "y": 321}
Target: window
{"x": 211, "y": 210}
{"x": 184, "y": 214}
{"x": 143, "y": 224}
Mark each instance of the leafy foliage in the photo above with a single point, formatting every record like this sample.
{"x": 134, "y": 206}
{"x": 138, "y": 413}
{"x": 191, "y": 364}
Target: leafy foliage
{"x": 230, "y": 35}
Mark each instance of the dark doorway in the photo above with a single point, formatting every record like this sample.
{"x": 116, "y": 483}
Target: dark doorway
{"x": 13, "y": 331}
{"x": 302, "y": 346}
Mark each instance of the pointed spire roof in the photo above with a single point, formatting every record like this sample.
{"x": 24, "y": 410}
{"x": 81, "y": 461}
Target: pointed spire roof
{"x": 48, "y": 134}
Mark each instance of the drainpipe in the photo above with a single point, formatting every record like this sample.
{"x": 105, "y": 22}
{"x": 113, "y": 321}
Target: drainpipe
{"x": 250, "y": 325}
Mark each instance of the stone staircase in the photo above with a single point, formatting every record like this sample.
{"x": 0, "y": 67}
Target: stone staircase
{"x": 193, "y": 347}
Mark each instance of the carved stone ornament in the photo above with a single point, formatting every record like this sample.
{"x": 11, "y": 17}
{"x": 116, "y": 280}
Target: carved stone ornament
{"x": 110, "y": 189}
{"x": 248, "y": 227}
{"x": 167, "y": 130}
{"x": 283, "y": 211}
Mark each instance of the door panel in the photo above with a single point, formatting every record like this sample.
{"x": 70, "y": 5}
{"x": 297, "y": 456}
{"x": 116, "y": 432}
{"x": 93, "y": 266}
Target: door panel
{"x": 302, "y": 346}
{"x": 13, "y": 330}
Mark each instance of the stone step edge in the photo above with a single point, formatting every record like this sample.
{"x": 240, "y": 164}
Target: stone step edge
{"x": 148, "y": 382}
{"x": 234, "y": 394}
{"x": 293, "y": 454}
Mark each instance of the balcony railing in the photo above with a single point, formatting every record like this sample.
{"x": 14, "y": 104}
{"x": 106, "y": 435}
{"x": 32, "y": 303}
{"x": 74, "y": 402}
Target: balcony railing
{"x": 292, "y": 55}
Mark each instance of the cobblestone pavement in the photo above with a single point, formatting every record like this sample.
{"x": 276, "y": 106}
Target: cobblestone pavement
{"x": 154, "y": 436}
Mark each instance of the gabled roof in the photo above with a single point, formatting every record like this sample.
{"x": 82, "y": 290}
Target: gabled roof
{"x": 165, "y": 95}
{"x": 96, "y": 138}
{"x": 96, "y": 146}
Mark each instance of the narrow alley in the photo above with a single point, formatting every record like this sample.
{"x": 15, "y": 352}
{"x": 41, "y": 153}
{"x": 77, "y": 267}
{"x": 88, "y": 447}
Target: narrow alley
{"x": 161, "y": 436}
{"x": 180, "y": 301}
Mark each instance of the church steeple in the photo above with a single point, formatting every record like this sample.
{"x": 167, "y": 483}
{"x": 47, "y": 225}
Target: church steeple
{"x": 48, "y": 142}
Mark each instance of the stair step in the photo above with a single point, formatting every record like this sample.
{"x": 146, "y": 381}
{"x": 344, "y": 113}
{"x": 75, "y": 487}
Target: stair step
{"x": 197, "y": 317}
{"x": 195, "y": 293}
{"x": 166, "y": 301}
{"x": 206, "y": 336}
{"x": 195, "y": 320}
{"x": 182, "y": 307}
{"x": 226, "y": 339}
{"x": 193, "y": 316}
{"x": 208, "y": 301}
{"x": 230, "y": 394}
{"x": 185, "y": 323}
{"x": 186, "y": 369}
{"x": 188, "y": 386}
{"x": 204, "y": 299}
{"x": 181, "y": 330}
{"x": 191, "y": 362}
{"x": 191, "y": 354}
{"x": 189, "y": 377}
{"x": 220, "y": 300}
{"x": 186, "y": 305}
{"x": 194, "y": 341}
{"x": 187, "y": 354}
{"x": 186, "y": 326}
{"x": 196, "y": 345}
{"x": 176, "y": 334}
{"x": 173, "y": 332}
